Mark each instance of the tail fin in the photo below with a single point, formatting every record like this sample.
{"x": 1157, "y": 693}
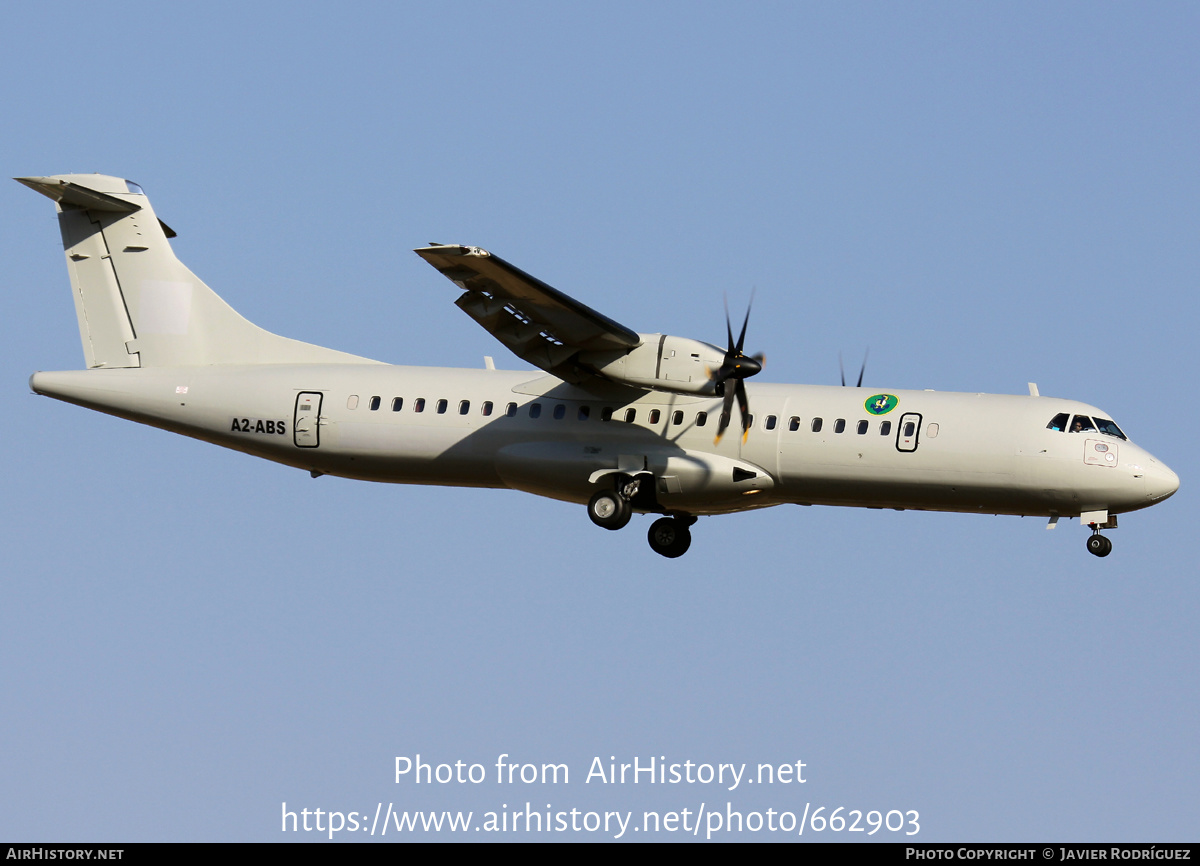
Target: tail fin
{"x": 138, "y": 305}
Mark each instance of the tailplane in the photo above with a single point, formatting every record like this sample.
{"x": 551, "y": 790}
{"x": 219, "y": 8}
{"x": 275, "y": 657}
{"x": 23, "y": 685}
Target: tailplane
{"x": 138, "y": 305}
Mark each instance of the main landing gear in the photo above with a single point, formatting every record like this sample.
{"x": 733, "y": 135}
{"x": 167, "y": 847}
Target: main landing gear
{"x": 1097, "y": 544}
{"x": 611, "y": 509}
{"x": 670, "y": 536}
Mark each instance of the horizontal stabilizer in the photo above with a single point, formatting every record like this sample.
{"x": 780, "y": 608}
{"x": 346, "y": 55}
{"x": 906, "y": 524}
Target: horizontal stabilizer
{"x": 72, "y": 194}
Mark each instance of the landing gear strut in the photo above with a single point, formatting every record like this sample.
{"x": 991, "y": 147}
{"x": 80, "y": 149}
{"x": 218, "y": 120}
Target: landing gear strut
{"x": 670, "y": 536}
{"x": 1097, "y": 544}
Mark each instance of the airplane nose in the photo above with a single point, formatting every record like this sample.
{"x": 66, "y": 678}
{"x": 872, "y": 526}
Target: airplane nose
{"x": 1161, "y": 482}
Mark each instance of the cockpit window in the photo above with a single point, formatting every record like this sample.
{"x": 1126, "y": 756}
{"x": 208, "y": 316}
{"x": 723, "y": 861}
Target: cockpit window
{"x": 133, "y": 188}
{"x": 1084, "y": 424}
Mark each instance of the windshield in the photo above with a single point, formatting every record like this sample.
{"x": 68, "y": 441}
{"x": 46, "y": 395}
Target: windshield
{"x": 1084, "y": 424}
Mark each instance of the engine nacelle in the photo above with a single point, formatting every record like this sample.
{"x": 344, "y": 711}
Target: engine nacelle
{"x": 662, "y": 362}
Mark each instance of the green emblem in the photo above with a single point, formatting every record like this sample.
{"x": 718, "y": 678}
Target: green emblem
{"x": 881, "y": 404}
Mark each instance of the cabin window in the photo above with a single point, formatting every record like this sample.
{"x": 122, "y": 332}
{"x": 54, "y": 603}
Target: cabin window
{"x": 701, "y": 419}
{"x": 352, "y": 401}
{"x": 560, "y": 412}
{"x": 486, "y": 409}
{"x": 654, "y": 416}
{"x": 535, "y": 410}
{"x": 375, "y": 401}
{"x": 816, "y": 425}
{"x": 510, "y": 411}
{"x": 909, "y": 429}
{"x": 464, "y": 406}
{"x": 677, "y": 417}
{"x": 584, "y": 412}
{"x": 630, "y": 414}
{"x": 1058, "y": 422}
{"x": 794, "y": 423}
{"x": 397, "y": 404}
{"x": 1082, "y": 424}
{"x": 441, "y": 406}
{"x": 1110, "y": 428}
{"x": 606, "y": 413}
{"x": 885, "y": 428}
{"x": 748, "y": 421}
{"x": 839, "y": 426}
{"x": 770, "y": 425}
{"x": 932, "y": 430}
{"x": 419, "y": 404}
{"x": 862, "y": 427}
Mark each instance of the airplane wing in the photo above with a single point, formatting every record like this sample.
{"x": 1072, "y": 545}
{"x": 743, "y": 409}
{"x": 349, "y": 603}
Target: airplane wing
{"x": 537, "y": 322}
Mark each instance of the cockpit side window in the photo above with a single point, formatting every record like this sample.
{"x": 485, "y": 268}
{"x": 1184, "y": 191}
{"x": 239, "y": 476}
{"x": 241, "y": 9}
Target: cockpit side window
{"x": 1058, "y": 422}
{"x": 1082, "y": 424}
{"x": 1106, "y": 426}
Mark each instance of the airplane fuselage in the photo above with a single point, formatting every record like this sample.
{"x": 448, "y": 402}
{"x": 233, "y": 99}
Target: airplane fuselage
{"x": 983, "y": 453}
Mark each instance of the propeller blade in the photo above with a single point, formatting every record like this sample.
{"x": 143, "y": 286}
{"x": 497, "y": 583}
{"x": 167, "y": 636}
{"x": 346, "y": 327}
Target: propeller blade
{"x": 863, "y": 371}
{"x": 746, "y": 321}
{"x": 744, "y": 406}
{"x": 738, "y": 366}
{"x": 726, "y": 409}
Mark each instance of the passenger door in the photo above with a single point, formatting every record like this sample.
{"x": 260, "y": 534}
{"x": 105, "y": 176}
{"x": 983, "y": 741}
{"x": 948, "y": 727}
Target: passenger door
{"x": 306, "y": 423}
{"x": 908, "y": 431}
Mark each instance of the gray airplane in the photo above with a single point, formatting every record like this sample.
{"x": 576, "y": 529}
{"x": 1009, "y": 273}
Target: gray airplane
{"x": 621, "y": 421}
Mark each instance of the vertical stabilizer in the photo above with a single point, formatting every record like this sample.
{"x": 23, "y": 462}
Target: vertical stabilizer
{"x": 138, "y": 305}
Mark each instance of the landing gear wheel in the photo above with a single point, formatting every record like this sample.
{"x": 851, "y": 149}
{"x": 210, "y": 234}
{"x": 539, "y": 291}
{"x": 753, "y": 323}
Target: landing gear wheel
{"x": 608, "y": 510}
{"x": 669, "y": 537}
{"x": 1098, "y": 545}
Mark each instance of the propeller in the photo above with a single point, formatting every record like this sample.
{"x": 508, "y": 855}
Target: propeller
{"x": 735, "y": 369}
{"x": 861, "y": 372}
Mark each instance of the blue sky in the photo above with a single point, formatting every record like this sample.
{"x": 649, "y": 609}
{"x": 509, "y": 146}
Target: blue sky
{"x": 982, "y": 194}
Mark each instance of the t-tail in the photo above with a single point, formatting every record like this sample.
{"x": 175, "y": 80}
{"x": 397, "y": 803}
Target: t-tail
{"x": 138, "y": 305}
